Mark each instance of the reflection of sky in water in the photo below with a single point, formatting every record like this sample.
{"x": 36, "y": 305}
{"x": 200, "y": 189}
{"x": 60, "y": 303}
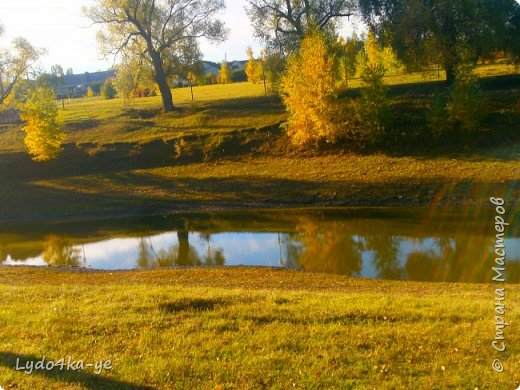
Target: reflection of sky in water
{"x": 242, "y": 249}
{"x": 122, "y": 253}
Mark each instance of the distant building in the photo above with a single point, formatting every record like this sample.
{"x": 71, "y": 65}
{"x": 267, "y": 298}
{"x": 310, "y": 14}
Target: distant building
{"x": 75, "y": 85}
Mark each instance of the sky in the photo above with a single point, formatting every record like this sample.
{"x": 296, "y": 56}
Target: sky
{"x": 70, "y": 41}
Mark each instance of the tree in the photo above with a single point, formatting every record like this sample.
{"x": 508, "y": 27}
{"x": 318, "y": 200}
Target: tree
{"x": 284, "y": 23}
{"x": 90, "y": 92}
{"x": 426, "y": 31}
{"x": 374, "y": 55}
{"x": 253, "y": 67}
{"x": 107, "y": 90}
{"x": 57, "y": 71}
{"x": 15, "y": 63}
{"x": 69, "y": 72}
{"x": 134, "y": 78}
{"x": 43, "y": 129}
{"x": 225, "y": 73}
{"x": 346, "y": 55}
{"x": 156, "y": 29}
{"x": 308, "y": 92}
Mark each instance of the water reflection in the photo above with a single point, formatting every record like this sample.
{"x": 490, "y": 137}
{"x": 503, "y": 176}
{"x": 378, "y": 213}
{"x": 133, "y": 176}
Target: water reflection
{"x": 60, "y": 251}
{"x": 179, "y": 254}
{"x": 384, "y": 245}
{"x": 328, "y": 247}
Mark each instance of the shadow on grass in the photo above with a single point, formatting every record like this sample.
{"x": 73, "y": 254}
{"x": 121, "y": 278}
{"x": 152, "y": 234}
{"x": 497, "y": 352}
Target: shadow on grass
{"x": 192, "y": 304}
{"x": 87, "y": 380}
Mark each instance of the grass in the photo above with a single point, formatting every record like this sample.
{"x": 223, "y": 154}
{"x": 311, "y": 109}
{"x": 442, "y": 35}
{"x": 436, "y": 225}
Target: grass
{"x": 251, "y": 329}
{"x": 226, "y": 150}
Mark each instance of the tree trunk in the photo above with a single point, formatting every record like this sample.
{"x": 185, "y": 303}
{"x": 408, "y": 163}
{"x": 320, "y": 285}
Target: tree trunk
{"x": 162, "y": 82}
{"x": 450, "y": 73}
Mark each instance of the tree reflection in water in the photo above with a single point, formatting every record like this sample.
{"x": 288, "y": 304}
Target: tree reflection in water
{"x": 180, "y": 254}
{"x": 327, "y": 247}
{"x": 59, "y": 251}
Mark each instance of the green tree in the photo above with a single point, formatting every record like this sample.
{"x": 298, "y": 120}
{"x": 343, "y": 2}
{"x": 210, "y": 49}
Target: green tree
{"x": 134, "y": 78}
{"x": 373, "y": 109}
{"x": 308, "y": 92}
{"x": 346, "y": 55}
{"x": 426, "y": 31}
{"x": 15, "y": 63}
{"x": 107, "y": 90}
{"x": 44, "y": 136}
{"x": 158, "y": 30}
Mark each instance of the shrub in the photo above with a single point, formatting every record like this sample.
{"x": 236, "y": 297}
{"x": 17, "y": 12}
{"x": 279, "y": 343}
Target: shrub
{"x": 43, "y": 130}
{"x": 107, "y": 90}
{"x": 465, "y": 107}
{"x": 373, "y": 112}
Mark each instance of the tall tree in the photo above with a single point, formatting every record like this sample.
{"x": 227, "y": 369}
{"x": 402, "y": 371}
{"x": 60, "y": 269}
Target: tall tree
{"x": 284, "y": 23}
{"x": 253, "y": 67}
{"x": 15, "y": 63}
{"x": 427, "y": 31}
{"x": 157, "y": 29}
{"x": 308, "y": 93}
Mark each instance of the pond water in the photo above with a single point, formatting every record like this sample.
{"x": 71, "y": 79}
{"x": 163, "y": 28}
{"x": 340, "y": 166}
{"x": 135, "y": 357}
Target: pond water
{"x": 390, "y": 243}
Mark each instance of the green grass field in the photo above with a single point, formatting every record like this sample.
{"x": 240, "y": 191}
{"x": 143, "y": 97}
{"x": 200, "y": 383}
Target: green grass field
{"x": 251, "y": 329}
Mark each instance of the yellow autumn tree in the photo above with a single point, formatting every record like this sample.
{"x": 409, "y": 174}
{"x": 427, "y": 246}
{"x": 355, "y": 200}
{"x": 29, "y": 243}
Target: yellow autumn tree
{"x": 308, "y": 92}
{"x": 43, "y": 136}
{"x": 253, "y": 67}
{"x": 224, "y": 76}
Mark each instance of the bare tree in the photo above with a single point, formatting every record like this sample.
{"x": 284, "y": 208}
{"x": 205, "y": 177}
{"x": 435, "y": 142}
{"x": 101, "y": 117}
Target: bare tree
{"x": 283, "y": 23}
{"x": 157, "y": 30}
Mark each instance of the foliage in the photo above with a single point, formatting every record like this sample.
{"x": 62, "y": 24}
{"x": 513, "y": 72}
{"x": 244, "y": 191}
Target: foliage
{"x": 225, "y": 74}
{"x": 423, "y": 32}
{"x": 90, "y": 92}
{"x": 283, "y": 24}
{"x": 346, "y": 58}
{"x": 210, "y": 78}
{"x": 164, "y": 32}
{"x": 134, "y": 78}
{"x": 15, "y": 63}
{"x": 253, "y": 67}
{"x": 464, "y": 107}
{"x": 466, "y": 103}
{"x": 373, "y": 109}
{"x": 373, "y": 55}
{"x": 308, "y": 93}
{"x": 274, "y": 67}
{"x": 238, "y": 76}
{"x": 107, "y": 90}
{"x": 43, "y": 129}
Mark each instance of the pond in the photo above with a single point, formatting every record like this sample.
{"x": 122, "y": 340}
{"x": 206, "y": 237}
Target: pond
{"x": 428, "y": 244}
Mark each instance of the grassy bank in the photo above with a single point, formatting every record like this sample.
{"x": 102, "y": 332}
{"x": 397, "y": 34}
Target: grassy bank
{"x": 250, "y": 329}
{"x": 226, "y": 150}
